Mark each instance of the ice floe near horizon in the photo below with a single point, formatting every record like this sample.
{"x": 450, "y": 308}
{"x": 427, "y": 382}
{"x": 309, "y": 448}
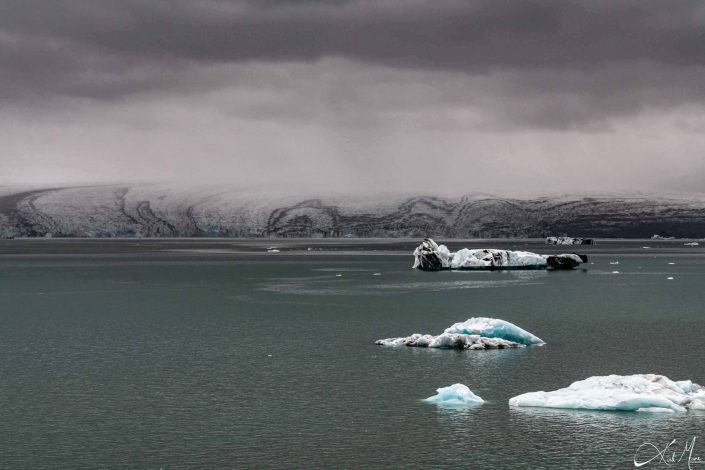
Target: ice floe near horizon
{"x": 474, "y": 333}
{"x": 639, "y": 392}
{"x": 455, "y": 396}
{"x": 568, "y": 241}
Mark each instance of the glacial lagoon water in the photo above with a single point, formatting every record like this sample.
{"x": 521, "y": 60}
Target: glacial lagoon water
{"x": 216, "y": 354}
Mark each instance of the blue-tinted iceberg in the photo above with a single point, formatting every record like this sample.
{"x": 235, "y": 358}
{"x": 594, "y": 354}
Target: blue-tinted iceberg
{"x": 640, "y": 392}
{"x": 494, "y": 328}
{"x": 475, "y": 333}
{"x": 455, "y": 396}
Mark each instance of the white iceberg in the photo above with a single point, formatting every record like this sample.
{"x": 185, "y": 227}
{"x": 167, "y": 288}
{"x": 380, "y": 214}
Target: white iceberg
{"x": 639, "y": 392}
{"x": 475, "y": 333}
{"x": 429, "y": 256}
{"x": 692, "y": 244}
{"x": 455, "y": 396}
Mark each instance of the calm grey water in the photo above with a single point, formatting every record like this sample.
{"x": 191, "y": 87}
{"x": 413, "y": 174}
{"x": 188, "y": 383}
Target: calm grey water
{"x": 214, "y": 354}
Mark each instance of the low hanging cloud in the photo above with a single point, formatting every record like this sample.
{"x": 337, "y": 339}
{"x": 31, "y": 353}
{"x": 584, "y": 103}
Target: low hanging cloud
{"x": 160, "y": 89}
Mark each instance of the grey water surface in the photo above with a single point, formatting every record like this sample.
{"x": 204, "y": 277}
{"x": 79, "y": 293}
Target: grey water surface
{"x": 217, "y": 354}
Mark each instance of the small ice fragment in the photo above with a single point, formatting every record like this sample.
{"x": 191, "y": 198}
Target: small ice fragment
{"x": 615, "y": 272}
{"x": 614, "y": 262}
{"x": 338, "y": 275}
{"x": 670, "y": 278}
{"x": 671, "y": 263}
{"x": 269, "y": 355}
{"x": 377, "y": 274}
{"x": 646, "y": 247}
{"x": 691, "y": 244}
{"x": 455, "y": 396}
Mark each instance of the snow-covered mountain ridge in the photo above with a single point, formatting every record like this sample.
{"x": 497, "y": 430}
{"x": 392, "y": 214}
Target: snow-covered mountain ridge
{"x": 169, "y": 211}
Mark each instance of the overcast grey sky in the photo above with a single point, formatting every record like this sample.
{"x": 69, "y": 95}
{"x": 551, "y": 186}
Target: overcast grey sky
{"x": 448, "y": 96}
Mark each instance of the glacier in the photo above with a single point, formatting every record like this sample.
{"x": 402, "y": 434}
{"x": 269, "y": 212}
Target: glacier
{"x": 639, "y": 392}
{"x": 474, "y": 333}
{"x": 222, "y": 210}
{"x": 455, "y": 396}
{"x": 430, "y": 256}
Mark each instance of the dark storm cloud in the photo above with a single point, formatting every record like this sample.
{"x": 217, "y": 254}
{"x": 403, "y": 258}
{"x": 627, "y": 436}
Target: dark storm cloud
{"x": 527, "y": 94}
{"x": 451, "y": 34}
{"x": 104, "y": 49}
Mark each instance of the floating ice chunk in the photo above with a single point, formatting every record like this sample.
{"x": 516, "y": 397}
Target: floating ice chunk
{"x": 614, "y": 262}
{"x": 377, "y": 274}
{"x": 568, "y": 241}
{"x": 429, "y": 256}
{"x": 671, "y": 263}
{"x": 475, "y": 333}
{"x": 272, "y": 249}
{"x": 646, "y": 247}
{"x": 455, "y": 396}
{"x": 338, "y": 275}
{"x": 615, "y": 272}
{"x": 670, "y": 278}
{"x": 692, "y": 244}
{"x": 639, "y": 392}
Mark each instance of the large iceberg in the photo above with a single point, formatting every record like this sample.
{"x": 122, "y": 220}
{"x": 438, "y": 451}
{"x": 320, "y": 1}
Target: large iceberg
{"x": 475, "y": 333}
{"x": 455, "y": 396}
{"x": 640, "y": 392}
{"x": 429, "y": 256}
